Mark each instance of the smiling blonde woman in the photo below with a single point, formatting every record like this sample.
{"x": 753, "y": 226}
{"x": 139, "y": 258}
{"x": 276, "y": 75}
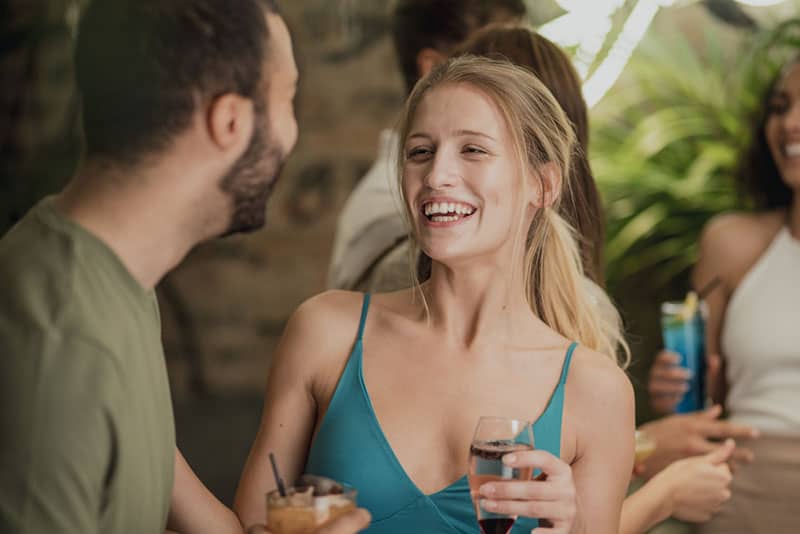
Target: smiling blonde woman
{"x": 384, "y": 392}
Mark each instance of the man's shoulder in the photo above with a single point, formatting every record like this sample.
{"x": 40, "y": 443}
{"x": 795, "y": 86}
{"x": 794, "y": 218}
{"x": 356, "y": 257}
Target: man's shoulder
{"x": 54, "y": 293}
{"x": 37, "y": 267}
{"x": 31, "y": 237}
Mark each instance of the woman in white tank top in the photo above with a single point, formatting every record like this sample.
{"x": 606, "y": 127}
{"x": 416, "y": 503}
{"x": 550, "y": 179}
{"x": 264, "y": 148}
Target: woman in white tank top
{"x": 754, "y": 318}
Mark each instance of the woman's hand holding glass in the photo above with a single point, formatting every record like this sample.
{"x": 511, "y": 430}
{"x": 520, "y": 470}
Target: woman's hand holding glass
{"x": 551, "y": 496}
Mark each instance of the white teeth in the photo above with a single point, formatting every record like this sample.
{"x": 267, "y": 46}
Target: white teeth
{"x": 444, "y": 218}
{"x": 792, "y": 150}
{"x": 433, "y": 208}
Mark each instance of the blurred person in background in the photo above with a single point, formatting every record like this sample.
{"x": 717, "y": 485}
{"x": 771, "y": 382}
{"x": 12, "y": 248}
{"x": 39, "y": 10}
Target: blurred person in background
{"x": 752, "y": 334}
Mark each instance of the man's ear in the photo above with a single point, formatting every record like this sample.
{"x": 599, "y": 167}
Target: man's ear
{"x": 546, "y": 186}
{"x": 427, "y": 59}
{"x": 230, "y": 121}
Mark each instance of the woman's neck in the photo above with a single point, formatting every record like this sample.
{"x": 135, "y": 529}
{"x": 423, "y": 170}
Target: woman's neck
{"x": 478, "y": 305}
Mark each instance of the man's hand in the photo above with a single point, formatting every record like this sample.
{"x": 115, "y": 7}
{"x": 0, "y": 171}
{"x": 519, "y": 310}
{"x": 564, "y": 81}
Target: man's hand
{"x": 685, "y": 435}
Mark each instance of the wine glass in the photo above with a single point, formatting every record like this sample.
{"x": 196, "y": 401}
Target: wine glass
{"x": 494, "y": 438}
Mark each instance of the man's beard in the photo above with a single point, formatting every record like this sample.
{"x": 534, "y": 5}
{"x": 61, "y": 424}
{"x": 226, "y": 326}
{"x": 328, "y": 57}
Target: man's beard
{"x": 252, "y": 178}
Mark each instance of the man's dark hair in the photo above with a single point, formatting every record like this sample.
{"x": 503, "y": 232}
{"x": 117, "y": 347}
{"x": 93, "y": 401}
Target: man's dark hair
{"x": 442, "y": 24}
{"x": 143, "y": 65}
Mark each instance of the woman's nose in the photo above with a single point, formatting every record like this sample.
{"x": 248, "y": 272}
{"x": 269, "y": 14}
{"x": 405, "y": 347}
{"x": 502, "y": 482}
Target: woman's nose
{"x": 443, "y": 172}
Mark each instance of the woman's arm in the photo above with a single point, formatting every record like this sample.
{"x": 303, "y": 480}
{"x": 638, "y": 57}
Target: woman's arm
{"x": 195, "y": 510}
{"x": 602, "y": 411}
{"x": 314, "y": 344}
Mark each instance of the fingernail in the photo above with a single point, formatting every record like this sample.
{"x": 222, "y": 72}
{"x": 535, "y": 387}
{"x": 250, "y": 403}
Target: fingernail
{"x": 510, "y": 458}
{"x": 487, "y": 489}
{"x": 488, "y": 505}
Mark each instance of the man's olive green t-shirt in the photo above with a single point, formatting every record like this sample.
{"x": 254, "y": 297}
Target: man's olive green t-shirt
{"x": 87, "y": 438}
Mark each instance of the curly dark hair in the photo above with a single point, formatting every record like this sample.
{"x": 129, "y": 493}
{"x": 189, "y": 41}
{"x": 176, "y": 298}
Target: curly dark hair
{"x": 758, "y": 179}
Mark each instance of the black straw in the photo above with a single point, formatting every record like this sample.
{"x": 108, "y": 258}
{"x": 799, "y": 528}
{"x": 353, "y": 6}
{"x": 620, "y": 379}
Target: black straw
{"x": 709, "y": 287}
{"x": 278, "y": 479}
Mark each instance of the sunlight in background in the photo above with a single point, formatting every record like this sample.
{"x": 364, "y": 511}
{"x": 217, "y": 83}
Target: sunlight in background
{"x": 586, "y": 26}
{"x": 760, "y": 3}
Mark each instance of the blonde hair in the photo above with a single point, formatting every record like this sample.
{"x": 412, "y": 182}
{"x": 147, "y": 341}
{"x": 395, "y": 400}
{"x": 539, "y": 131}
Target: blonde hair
{"x": 554, "y": 280}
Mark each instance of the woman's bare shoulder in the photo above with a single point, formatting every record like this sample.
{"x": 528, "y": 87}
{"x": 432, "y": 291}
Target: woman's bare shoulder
{"x": 732, "y": 242}
{"x": 599, "y": 403}
{"x": 323, "y": 324}
{"x": 331, "y": 304}
{"x": 597, "y": 384}
{"x": 332, "y": 318}
{"x": 733, "y": 225}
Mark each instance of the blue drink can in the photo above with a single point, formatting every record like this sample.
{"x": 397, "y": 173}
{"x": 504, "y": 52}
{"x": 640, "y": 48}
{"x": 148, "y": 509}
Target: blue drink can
{"x": 685, "y": 336}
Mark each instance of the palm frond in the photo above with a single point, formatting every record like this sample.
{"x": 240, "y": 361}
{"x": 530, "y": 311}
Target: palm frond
{"x": 665, "y": 148}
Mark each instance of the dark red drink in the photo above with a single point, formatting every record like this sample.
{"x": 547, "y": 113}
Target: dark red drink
{"x": 499, "y": 525}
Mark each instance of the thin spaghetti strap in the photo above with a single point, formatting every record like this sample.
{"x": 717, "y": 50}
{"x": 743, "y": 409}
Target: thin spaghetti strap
{"x": 567, "y": 360}
{"x": 364, "y": 308}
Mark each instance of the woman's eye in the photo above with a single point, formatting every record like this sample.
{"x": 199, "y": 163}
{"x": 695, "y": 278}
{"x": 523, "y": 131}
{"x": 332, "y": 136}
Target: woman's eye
{"x": 418, "y": 153}
{"x": 474, "y": 150}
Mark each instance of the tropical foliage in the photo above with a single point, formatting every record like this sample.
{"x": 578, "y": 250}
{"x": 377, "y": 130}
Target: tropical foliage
{"x": 666, "y": 150}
